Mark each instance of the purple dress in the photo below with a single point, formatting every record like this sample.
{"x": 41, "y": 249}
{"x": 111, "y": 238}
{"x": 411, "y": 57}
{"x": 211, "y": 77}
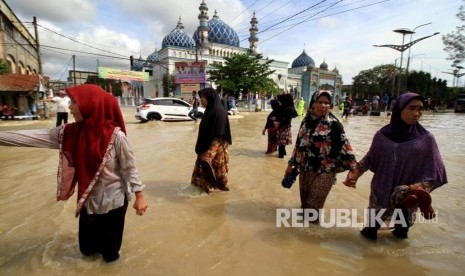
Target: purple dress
{"x": 395, "y": 164}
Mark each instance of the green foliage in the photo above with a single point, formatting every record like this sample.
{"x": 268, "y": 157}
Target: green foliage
{"x": 168, "y": 84}
{"x": 246, "y": 73}
{"x": 382, "y": 79}
{"x": 4, "y": 68}
{"x": 454, "y": 42}
{"x": 376, "y": 81}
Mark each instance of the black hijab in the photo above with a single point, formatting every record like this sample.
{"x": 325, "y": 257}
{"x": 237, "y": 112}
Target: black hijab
{"x": 215, "y": 122}
{"x": 397, "y": 130}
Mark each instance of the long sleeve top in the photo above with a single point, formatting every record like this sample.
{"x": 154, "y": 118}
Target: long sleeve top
{"x": 117, "y": 180}
{"x": 322, "y": 147}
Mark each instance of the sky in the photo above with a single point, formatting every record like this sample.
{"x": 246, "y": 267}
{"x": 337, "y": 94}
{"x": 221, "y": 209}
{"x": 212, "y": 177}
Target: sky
{"x": 339, "y": 32}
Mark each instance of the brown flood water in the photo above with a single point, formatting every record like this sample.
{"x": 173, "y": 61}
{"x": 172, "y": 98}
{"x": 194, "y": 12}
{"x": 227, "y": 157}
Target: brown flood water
{"x": 186, "y": 232}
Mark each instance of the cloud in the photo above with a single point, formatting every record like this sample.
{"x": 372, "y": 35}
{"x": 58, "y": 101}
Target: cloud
{"x": 342, "y": 36}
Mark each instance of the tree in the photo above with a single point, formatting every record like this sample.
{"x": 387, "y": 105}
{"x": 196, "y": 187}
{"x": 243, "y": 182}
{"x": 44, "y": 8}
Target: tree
{"x": 168, "y": 84}
{"x": 246, "y": 73}
{"x": 4, "y": 68}
{"x": 454, "y": 42}
{"x": 376, "y": 81}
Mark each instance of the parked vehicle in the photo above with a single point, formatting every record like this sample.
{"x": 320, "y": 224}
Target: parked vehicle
{"x": 460, "y": 103}
{"x": 165, "y": 109}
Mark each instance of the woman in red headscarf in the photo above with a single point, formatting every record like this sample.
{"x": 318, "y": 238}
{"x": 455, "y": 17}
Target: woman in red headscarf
{"x": 96, "y": 157}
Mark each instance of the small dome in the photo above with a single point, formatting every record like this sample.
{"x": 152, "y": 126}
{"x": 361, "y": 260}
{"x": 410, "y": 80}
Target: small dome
{"x": 324, "y": 66}
{"x": 152, "y": 58}
{"x": 138, "y": 64}
{"x": 219, "y": 32}
{"x": 335, "y": 70}
{"x": 178, "y": 38}
{"x": 303, "y": 60}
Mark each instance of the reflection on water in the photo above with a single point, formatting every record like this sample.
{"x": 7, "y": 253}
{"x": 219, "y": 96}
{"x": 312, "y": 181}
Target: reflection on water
{"x": 187, "y": 232}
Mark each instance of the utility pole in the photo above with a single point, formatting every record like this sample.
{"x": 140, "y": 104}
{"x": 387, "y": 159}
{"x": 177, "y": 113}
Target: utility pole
{"x": 39, "y": 59}
{"x": 74, "y": 70}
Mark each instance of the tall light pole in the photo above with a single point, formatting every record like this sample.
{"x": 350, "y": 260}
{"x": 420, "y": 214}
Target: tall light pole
{"x": 403, "y": 32}
{"x": 413, "y": 31}
{"x": 402, "y": 48}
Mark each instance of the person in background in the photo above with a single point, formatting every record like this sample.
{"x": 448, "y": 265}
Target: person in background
{"x": 286, "y": 112}
{"x": 271, "y": 128}
{"x": 345, "y": 108}
{"x": 7, "y": 112}
{"x": 225, "y": 102}
{"x": 407, "y": 167}
{"x": 212, "y": 164}
{"x": 195, "y": 101}
{"x": 375, "y": 102}
{"x": 321, "y": 151}
{"x": 63, "y": 102}
{"x": 385, "y": 100}
{"x": 301, "y": 106}
{"x": 232, "y": 106}
{"x": 95, "y": 159}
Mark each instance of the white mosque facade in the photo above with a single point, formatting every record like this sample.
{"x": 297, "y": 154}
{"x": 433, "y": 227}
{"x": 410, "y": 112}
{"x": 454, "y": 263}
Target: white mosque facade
{"x": 189, "y": 58}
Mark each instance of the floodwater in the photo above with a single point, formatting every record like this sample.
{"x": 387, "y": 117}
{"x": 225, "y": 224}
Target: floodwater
{"x": 186, "y": 232}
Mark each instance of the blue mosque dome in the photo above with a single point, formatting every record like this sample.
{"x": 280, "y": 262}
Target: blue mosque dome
{"x": 138, "y": 64}
{"x": 152, "y": 58}
{"x": 219, "y": 32}
{"x": 303, "y": 60}
{"x": 178, "y": 38}
{"x": 324, "y": 66}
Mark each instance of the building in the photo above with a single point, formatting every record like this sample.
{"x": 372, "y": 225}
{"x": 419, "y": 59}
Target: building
{"x": 21, "y": 88}
{"x": 76, "y": 77}
{"x": 184, "y": 55}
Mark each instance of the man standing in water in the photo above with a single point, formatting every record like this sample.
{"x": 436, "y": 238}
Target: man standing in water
{"x": 63, "y": 102}
{"x": 195, "y": 106}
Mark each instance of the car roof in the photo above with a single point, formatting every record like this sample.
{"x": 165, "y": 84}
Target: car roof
{"x": 163, "y": 98}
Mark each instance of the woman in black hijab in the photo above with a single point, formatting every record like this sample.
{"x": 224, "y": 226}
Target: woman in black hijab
{"x": 212, "y": 164}
{"x": 286, "y": 112}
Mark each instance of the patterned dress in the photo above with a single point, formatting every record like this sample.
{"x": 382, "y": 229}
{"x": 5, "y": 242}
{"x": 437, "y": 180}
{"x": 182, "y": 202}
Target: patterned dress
{"x": 322, "y": 150}
{"x": 211, "y": 168}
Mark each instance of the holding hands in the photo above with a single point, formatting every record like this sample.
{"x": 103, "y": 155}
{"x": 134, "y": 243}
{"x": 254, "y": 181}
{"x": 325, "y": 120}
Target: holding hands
{"x": 351, "y": 179}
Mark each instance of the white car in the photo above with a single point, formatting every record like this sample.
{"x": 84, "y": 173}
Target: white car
{"x": 165, "y": 109}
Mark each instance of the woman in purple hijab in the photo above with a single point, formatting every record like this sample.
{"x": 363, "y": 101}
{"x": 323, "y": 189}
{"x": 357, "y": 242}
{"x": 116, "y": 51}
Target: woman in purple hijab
{"x": 407, "y": 166}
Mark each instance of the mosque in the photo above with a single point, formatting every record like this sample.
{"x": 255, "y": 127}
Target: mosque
{"x": 189, "y": 59}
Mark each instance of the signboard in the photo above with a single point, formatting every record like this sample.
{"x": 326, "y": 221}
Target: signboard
{"x": 117, "y": 74}
{"x": 190, "y": 72}
{"x": 187, "y": 88}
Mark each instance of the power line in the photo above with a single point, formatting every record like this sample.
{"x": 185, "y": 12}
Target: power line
{"x": 75, "y": 40}
{"x": 311, "y": 19}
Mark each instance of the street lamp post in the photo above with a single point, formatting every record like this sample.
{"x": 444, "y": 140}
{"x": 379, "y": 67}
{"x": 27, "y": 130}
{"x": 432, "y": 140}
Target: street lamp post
{"x": 403, "y": 47}
{"x": 403, "y": 32}
{"x": 413, "y": 31}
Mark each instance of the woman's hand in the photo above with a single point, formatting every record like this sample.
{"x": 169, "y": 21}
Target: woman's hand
{"x": 140, "y": 204}
{"x": 351, "y": 179}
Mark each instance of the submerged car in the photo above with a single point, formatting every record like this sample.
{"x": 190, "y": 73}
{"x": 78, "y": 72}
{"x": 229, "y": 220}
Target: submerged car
{"x": 165, "y": 109}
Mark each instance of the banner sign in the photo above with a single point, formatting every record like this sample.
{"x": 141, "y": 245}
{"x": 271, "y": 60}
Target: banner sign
{"x": 190, "y": 72}
{"x": 116, "y": 74}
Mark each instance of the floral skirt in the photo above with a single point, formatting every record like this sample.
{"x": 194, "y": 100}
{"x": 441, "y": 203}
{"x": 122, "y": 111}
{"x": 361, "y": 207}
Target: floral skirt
{"x": 211, "y": 168}
{"x": 284, "y": 136}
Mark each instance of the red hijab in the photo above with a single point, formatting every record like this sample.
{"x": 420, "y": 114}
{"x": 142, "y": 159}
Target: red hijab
{"x": 84, "y": 145}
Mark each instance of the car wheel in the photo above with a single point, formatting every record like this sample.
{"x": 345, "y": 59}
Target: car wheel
{"x": 154, "y": 117}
